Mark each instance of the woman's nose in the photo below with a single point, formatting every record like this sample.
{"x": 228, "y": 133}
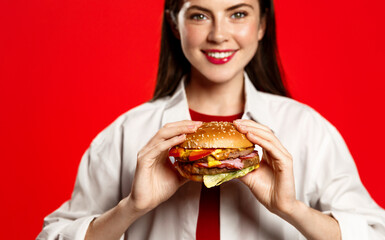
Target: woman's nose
{"x": 218, "y": 33}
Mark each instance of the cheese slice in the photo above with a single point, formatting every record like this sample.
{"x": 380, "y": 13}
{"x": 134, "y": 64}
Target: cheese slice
{"x": 212, "y": 162}
{"x": 216, "y": 153}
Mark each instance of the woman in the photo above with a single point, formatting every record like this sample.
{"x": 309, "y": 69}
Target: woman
{"x": 215, "y": 55}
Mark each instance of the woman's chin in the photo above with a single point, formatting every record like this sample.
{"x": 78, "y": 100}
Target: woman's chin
{"x": 221, "y": 76}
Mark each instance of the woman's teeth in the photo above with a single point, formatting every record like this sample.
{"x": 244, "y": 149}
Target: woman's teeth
{"x": 220, "y": 54}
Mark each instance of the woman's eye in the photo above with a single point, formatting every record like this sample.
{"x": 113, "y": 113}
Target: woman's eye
{"x": 198, "y": 17}
{"x": 239, "y": 15}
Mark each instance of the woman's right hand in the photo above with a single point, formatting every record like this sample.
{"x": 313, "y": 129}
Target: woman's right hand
{"x": 156, "y": 179}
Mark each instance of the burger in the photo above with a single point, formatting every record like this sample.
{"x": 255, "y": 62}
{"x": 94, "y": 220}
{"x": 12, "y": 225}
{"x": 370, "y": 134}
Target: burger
{"x": 216, "y": 153}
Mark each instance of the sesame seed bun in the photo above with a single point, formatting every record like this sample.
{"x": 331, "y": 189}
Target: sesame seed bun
{"x": 216, "y": 135}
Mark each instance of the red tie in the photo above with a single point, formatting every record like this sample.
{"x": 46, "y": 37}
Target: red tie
{"x": 208, "y": 218}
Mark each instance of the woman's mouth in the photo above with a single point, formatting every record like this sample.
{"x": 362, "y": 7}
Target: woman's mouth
{"x": 216, "y": 56}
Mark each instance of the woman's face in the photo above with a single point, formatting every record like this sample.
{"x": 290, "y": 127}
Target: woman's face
{"x": 219, "y": 37}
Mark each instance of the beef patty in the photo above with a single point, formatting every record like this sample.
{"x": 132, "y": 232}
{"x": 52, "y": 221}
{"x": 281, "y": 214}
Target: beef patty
{"x": 192, "y": 168}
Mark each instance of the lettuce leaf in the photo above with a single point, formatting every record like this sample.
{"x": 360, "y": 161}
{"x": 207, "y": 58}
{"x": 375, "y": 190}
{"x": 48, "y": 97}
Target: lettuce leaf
{"x": 218, "y": 179}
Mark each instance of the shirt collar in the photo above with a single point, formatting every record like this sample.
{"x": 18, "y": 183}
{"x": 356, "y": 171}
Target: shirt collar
{"x": 176, "y": 108}
{"x": 256, "y": 106}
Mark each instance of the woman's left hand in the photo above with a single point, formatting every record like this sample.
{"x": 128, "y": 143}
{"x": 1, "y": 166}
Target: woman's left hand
{"x": 273, "y": 182}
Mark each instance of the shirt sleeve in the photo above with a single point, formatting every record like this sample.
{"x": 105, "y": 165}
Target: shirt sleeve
{"x": 338, "y": 188}
{"x": 96, "y": 189}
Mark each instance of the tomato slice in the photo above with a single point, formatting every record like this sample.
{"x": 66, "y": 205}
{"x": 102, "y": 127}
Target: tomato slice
{"x": 195, "y": 155}
{"x": 175, "y": 152}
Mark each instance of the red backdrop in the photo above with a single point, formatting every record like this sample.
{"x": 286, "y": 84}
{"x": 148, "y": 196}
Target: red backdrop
{"x": 69, "y": 68}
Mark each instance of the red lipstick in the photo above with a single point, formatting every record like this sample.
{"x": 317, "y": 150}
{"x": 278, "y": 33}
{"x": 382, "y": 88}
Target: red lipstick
{"x": 217, "y": 56}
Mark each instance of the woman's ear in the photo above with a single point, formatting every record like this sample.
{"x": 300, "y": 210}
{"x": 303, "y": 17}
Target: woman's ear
{"x": 262, "y": 27}
{"x": 171, "y": 19}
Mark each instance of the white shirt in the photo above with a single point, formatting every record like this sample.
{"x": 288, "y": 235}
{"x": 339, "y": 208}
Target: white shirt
{"x": 326, "y": 177}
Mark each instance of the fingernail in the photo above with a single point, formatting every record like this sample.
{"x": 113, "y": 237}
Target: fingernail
{"x": 191, "y": 127}
{"x": 182, "y": 136}
{"x": 239, "y": 124}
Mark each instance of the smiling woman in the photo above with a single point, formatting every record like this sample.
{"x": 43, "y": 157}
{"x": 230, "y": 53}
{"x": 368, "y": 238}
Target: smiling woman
{"x": 218, "y": 33}
{"x": 218, "y": 62}
{"x": 241, "y": 20}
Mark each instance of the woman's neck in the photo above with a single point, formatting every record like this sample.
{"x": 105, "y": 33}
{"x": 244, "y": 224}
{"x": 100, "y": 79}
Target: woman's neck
{"x": 215, "y": 98}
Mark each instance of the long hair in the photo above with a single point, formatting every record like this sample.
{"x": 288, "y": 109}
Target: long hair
{"x": 264, "y": 69}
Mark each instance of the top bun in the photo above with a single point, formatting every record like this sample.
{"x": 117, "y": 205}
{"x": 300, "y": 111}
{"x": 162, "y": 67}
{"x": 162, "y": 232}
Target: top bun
{"x": 216, "y": 135}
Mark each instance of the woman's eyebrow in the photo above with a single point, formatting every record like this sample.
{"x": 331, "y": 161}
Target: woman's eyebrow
{"x": 198, "y": 8}
{"x": 228, "y": 9}
{"x": 239, "y": 5}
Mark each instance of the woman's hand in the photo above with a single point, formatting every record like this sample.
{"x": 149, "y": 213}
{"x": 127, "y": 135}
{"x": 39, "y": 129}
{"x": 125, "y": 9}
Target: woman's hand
{"x": 273, "y": 182}
{"x": 273, "y": 185}
{"x": 156, "y": 180}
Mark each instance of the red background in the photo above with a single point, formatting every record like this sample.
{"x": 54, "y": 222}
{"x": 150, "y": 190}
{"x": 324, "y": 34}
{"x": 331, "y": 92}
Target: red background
{"x": 69, "y": 68}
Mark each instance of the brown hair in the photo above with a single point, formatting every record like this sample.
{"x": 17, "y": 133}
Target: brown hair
{"x": 264, "y": 69}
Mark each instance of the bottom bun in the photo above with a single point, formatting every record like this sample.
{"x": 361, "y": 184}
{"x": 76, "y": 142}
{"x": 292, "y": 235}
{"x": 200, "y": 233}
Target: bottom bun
{"x": 193, "y": 177}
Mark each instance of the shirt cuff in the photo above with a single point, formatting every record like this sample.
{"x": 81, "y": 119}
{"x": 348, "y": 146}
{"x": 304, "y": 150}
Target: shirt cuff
{"x": 352, "y": 226}
{"x": 77, "y": 230}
